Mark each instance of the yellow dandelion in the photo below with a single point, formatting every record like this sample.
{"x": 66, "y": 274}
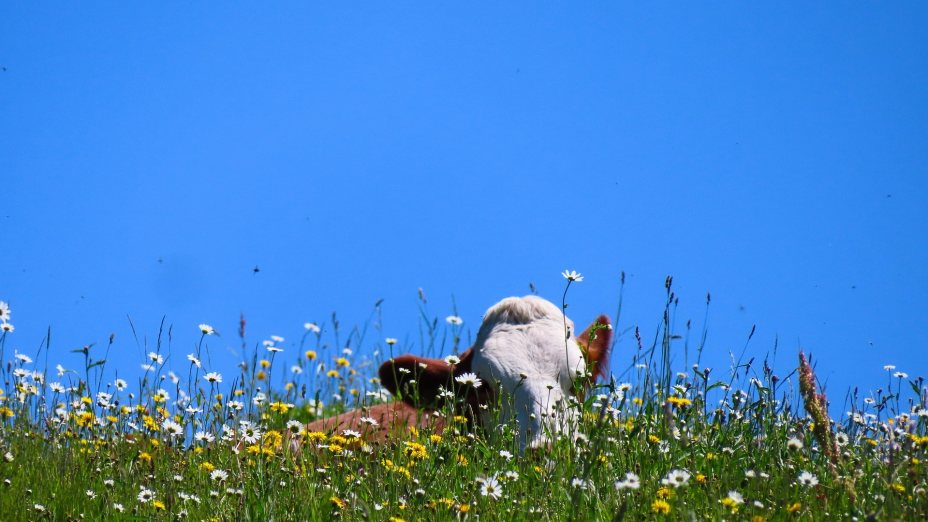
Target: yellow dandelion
{"x": 311, "y": 355}
{"x": 660, "y": 506}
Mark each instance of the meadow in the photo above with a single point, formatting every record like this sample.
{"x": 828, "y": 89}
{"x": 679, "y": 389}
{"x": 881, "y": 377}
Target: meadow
{"x": 184, "y": 441}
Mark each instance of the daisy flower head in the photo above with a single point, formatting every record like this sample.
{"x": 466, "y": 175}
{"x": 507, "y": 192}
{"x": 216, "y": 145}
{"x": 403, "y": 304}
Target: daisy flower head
{"x": 807, "y": 479}
{"x": 794, "y": 443}
{"x": 452, "y": 360}
{"x": 23, "y": 358}
{"x": 204, "y": 436}
{"x": 172, "y": 428}
{"x": 213, "y": 377}
{"x": 156, "y": 357}
{"x": 218, "y": 475}
{"x": 194, "y": 360}
{"x": 676, "y": 478}
{"x": 454, "y": 320}
{"x": 146, "y": 495}
{"x": 391, "y": 341}
{"x": 120, "y": 384}
{"x": 572, "y": 275}
{"x": 490, "y": 487}
{"x": 312, "y": 327}
{"x": 631, "y": 481}
{"x": 469, "y": 379}
{"x": 4, "y": 311}
{"x": 841, "y": 439}
{"x": 206, "y": 329}
{"x": 6, "y": 327}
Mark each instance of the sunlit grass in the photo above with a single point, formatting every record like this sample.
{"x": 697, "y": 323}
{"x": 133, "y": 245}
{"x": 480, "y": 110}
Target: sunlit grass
{"x": 187, "y": 441}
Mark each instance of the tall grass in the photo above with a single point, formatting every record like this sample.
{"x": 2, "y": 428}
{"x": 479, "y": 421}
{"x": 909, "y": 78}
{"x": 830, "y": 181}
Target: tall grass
{"x": 652, "y": 443}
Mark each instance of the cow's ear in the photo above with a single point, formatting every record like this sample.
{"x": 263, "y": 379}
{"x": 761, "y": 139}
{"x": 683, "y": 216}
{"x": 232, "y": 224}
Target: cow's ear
{"x": 596, "y": 340}
{"x": 416, "y": 380}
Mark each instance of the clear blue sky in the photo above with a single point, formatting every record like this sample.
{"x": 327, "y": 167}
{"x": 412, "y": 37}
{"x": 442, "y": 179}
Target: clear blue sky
{"x": 773, "y": 154}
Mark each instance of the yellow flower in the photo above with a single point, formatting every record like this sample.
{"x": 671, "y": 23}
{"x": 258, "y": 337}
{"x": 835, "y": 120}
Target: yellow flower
{"x": 332, "y": 373}
{"x": 207, "y": 467}
{"x": 280, "y": 407}
{"x": 341, "y": 361}
{"x": 654, "y": 439}
{"x": 158, "y": 505}
{"x": 679, "y": 401}
{"x": 396, "y": 519}
{"x": 314, "y": 436}
{"x": 416, "y": 451}
{"x": 462, "y": 460}
{"x": 792, "y": 508}
{"x": 436, "y": 439}
{"x": 664, "y": 492}
{"x": 145, "y": 457}
{"x": 339, "y": 503}
{"x": 260, "y": 375}
{"x": 265, "y": 363}
{"x": 700, "y": 478}
{"x": 660, "y": 506}
{"x": 637, "y": 401}
{"x": 897, "y": 487}
{"x": 311, "y": 355}
{"x": 464, "y": 508}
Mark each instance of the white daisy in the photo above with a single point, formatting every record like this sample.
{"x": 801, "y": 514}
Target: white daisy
{"x": 469, "y": 379}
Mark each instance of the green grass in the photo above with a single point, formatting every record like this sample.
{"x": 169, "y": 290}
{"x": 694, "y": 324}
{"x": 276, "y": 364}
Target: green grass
{"x": 67, "y": 457}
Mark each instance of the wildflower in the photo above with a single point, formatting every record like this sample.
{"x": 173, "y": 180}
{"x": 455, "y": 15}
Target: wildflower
{"x": 312, "y": 327}
{"x": 218, "y": 475}
{"x": 206, "y": 329}
{"x": 274, "y": 349}
{"x": 370, "y": 421}
{"x": 505, "y": 454}
{"x": 146, "y": 495}
{"x": 792, "y": 508}
{"x": 194, "y": 360}
{"x": 120, "y": 384}
{"x": 490, "y": 488}
{"x": 213, "y": 377}
{"x": 454, "y": 320}
{"x": 250, "y": 434}
{"x": 660, "y": 506}
{"x": 109, "y": 483}
{"x": 631, "y": 481}
{"x": 172, "y": 428}
{"x": 90, "y": 494}
{"x": 572, "y": 275}
{"x": 339, "y": 503}
{"x": 310, "y": 355}
{"x": 807, "y": 479}
{"x": 841, "y": 439}
{"x": 156, "y": 357}
{"x": 8, "y": 457}
{"x": 4, "y": 311}
{"x": 204, "y": 436}
{"x": 901, "y": 375}
{"x": 56, "y": 387}
{"x": 794, "y": 444}
{"x": 37, "y": 507}
{"x": 733, "y": 499}
{"x": 6, "y": 327}
{"x": 343, "y": 362}
{"x": 119, "y": 507}
{"x": 23, "y": 358}
{"x": 452, "y": 360}
{"x": 296, "y": 370}
{"x": 414, "y": 450}
{"x": 391, "y": 341}
{"x": 889, "y": 367}
{"x": 676, "y": 478}
{"x": 469, "y": 379}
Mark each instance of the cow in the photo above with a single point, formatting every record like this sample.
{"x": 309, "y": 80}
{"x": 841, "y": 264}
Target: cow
{"x": 524, "y": 366}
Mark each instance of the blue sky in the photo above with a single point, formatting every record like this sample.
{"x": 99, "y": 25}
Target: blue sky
{"x": 774, "y": 155}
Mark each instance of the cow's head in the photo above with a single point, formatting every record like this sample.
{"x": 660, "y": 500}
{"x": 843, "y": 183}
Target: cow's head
{"x": 524, "y": 353}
